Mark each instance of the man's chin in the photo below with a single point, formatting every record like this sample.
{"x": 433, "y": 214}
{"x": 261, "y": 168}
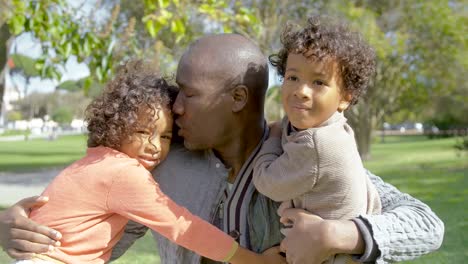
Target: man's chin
{"x": 193, "y": 146}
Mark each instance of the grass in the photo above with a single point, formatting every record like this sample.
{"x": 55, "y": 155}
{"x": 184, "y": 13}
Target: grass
{"x": 430, "y": 170}
{"x": 40, "y": 153}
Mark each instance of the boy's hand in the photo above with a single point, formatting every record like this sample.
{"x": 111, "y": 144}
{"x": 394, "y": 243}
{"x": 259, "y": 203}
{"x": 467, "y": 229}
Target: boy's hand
{"x": 275, "y": 129}
{"x": 21, "y": 237}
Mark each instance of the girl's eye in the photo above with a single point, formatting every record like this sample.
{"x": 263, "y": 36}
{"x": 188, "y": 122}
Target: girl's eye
{"x": 167, "y": 137}
{"x": 292, "y": 78}
{"x": 143, "y": 132}
{"x": 319, "y": 82}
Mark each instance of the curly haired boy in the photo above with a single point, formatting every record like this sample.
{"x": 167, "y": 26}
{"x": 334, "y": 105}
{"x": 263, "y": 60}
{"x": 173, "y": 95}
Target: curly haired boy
{"x": 311, "y": 161}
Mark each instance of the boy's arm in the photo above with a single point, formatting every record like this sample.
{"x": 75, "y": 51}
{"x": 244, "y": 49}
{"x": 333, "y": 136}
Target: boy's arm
{"x": 133, "y": 231}
{"x": 285, "y": 173}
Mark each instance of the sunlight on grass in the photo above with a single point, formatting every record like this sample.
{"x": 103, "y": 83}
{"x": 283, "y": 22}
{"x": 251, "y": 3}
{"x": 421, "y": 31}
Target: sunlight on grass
{"x": 431, "y": 171}
{"x": 40, "y": 153}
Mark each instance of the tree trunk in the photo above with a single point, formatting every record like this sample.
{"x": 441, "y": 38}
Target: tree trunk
{"x": 361, "y": 120}
{"x": 4, "y": 43}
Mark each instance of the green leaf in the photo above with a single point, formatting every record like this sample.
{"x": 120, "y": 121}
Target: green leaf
{"x": 150, "y": 28}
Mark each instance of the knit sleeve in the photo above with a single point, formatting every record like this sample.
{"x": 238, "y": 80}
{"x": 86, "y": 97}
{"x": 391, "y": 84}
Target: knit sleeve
{"x": 406, "y": 229}
{"x": 134, "y": 194}
{"x": 284, "y": 174}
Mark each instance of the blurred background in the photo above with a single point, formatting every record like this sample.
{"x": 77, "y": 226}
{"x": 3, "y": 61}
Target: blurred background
{"x": 411, "y": 127}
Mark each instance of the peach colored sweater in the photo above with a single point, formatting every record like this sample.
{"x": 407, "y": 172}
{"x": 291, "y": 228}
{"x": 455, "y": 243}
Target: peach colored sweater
{"x": 92, "y": 200}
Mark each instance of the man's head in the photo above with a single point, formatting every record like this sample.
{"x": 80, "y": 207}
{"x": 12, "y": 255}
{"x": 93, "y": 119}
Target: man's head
{"x": 223, "y": 80}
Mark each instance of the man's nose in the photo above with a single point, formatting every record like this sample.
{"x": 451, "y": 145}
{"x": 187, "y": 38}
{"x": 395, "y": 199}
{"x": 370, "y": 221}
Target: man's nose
{"x": 303, "y": 91}
{"x": 178, "y": 107}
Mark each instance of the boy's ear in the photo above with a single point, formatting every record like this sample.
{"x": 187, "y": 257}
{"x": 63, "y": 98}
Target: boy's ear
{"x": 240, "y": 95}
{"x": 344, "y": 103}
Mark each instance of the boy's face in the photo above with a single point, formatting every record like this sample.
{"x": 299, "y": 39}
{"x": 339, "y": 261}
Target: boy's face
{"x": 311, "y": 91}
{"x": 151, "y": 141}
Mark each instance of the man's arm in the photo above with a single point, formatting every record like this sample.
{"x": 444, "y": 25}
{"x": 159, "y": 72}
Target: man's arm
{"x": 406, "y": 229}
{"x": 21, "y": 237}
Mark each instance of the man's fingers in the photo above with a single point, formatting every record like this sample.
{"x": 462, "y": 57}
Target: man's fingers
{"x": 285, "y": 231}
{"x": 22, "y": 234}
{"x": 27, "y": 246}
{"x": 283, "y": 206}
{"x": 31, "y": 226}
{"x": 30, "y": 202}
{"x": 19, "y": 255}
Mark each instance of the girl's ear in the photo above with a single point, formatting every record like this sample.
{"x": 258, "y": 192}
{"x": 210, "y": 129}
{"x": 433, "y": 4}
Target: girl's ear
{"x": 240, "y": 96}
{"x": 344, "y": 103}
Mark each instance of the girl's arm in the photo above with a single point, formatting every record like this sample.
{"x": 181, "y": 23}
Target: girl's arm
{"x": 135, "y": 195}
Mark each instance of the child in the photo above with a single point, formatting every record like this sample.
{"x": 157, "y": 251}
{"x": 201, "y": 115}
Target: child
{"x": 312, "y": 161}
{"x": 91, "y": 201}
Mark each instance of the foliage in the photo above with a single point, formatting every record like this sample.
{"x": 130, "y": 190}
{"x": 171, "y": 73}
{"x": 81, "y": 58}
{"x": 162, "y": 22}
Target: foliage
{"x": 14, "y": 116}
{"x": 37, "y": 105}
{"x": 462, "y": 144}
{"x": 53, "y": 24}
{"x": 62, "y": 115}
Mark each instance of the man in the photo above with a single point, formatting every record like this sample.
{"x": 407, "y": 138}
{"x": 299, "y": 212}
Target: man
{"x": 223, "y": 80}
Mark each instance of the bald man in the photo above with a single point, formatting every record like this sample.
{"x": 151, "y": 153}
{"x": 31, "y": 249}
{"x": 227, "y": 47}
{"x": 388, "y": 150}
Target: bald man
{"x": 223, "y": 80}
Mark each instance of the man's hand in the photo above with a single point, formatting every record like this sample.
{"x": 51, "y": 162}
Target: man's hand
{"x": 21, "y": 237}
{"x": 272, "y": 255}
{"x": 275, "y": 129}
{"x": 312, "y": 239}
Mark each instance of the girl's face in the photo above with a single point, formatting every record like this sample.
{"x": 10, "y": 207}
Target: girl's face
{"x": 151, "y": 141}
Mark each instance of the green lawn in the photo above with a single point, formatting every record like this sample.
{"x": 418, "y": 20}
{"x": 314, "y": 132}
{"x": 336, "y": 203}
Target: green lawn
{"x": 428, "y": 169}
{"x": 40, "y": 153}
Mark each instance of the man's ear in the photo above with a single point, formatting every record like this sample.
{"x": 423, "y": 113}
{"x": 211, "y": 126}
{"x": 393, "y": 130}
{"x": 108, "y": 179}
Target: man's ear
{"x": 344, "y": 103}
{"x": 240, "y": 96}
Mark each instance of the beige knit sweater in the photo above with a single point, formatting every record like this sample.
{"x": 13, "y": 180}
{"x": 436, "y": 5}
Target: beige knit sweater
{"x": 319, "y": 169}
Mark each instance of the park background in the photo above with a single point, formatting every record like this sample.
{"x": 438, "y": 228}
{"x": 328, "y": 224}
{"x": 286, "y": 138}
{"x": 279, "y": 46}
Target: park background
{"x": 411, "y": 127}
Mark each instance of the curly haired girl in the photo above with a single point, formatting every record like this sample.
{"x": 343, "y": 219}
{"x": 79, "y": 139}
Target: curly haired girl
{"x": 311, "y": 161}
{"x": 91, "y": 201}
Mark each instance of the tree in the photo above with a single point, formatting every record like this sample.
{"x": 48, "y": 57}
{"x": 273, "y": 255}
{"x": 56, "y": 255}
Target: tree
{"x": 420, "y": 46}
{"x": 160, "y": 28}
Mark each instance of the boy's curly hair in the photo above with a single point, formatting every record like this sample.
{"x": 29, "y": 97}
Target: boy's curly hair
{"x": 323, "y": 37}
{"x": 113, "y": 116}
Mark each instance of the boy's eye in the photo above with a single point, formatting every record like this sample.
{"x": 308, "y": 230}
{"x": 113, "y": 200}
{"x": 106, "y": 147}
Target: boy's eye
{"x": 292, "y": 78}
{"x": 319, "y": 82}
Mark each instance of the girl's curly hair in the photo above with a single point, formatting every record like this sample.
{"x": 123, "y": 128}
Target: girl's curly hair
{"x": 323, "y": 37}
{"x": 113, "y": 116}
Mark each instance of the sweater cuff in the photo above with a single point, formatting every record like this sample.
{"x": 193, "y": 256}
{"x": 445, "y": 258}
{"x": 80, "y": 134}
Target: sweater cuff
{"x": 371, "y": 251}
